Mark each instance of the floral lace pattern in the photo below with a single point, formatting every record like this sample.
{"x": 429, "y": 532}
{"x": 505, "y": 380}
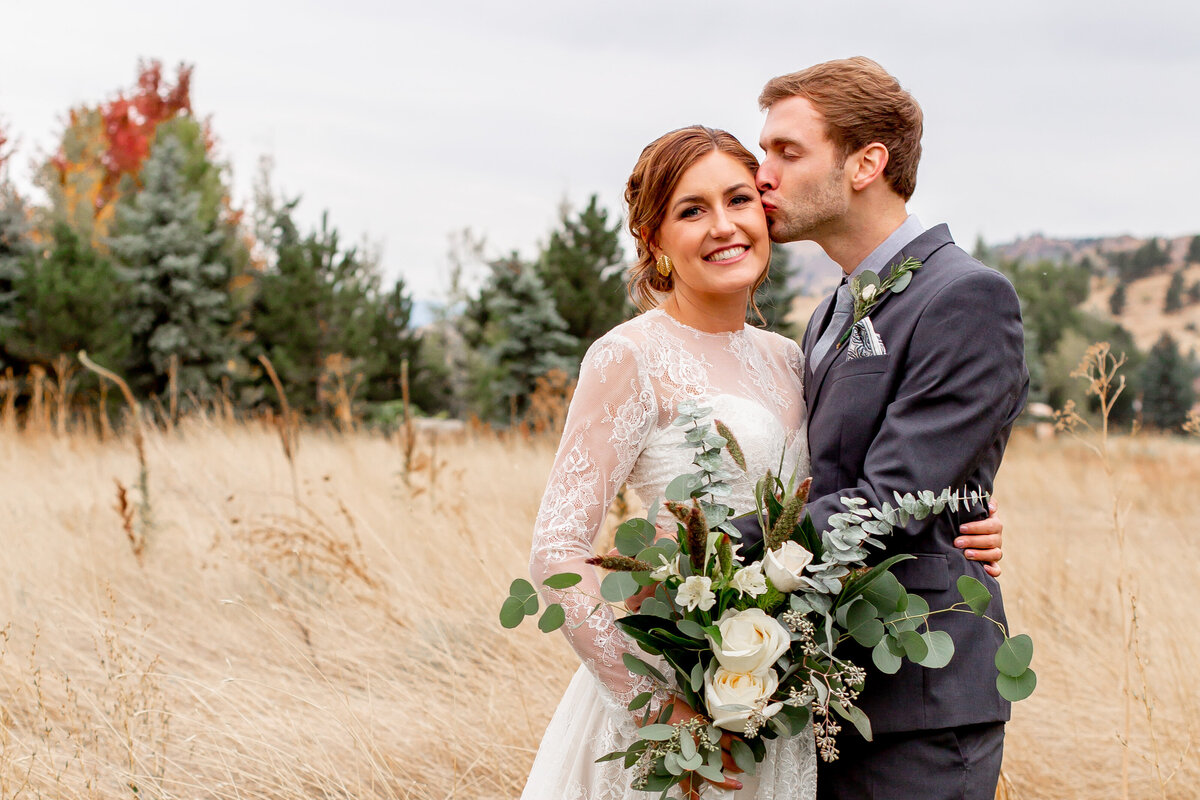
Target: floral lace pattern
{"x": 619, "y": 429}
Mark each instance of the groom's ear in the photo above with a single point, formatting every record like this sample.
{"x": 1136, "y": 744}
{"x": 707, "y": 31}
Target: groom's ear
{"x": 866, "y": 165}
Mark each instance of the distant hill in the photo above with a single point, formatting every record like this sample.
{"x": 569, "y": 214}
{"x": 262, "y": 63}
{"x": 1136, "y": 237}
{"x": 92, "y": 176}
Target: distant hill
{"x": 1143, "y": 314}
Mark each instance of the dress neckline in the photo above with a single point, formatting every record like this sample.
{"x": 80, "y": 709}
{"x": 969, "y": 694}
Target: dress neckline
{"x": 659, "y": 311}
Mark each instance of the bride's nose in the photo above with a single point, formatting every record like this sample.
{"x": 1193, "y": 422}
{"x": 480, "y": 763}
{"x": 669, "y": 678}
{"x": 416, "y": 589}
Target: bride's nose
{"x": 723, "y": 226}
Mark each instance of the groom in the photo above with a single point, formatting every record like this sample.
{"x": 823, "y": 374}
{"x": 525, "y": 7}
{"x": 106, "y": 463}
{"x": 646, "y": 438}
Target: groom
{"x": 920, "y": 396}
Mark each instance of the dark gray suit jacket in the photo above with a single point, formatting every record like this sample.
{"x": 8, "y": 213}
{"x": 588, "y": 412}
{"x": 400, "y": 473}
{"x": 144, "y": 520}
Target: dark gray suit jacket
{"x": 935, "y": 411}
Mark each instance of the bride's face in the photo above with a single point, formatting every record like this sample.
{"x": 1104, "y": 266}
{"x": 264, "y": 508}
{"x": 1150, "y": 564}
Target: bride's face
{"x": 715, "y": 230}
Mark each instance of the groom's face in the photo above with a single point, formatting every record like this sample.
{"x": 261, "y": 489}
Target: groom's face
{"x": 802, "y": 178}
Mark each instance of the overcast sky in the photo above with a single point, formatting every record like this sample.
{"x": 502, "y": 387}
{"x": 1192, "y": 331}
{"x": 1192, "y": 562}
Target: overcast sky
{"x": 408, "y": 122}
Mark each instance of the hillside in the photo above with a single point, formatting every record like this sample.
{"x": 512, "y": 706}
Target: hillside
{"x": 1143, "y": 315}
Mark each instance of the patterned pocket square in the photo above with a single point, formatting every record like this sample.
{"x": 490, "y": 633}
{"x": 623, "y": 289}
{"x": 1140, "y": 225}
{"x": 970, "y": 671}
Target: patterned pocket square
{"x": 864, "y": 341}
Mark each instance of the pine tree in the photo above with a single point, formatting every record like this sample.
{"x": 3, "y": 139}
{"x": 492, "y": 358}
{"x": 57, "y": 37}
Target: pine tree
{"x": 520, "y": 337}
{"x": 316, "y": 304}
{"x": 1116, "y": 301}
{"x": 580, "y": 267}
{"x": 67, "y": 304}
{"x": 179, "y": 302}
{"x": 16, "y": 252}
{"x": 1174, "y": 298}
{"x": 1193, "y": 251}
{"x": 774, "y": 298}
{"x": 1167, "y": 388}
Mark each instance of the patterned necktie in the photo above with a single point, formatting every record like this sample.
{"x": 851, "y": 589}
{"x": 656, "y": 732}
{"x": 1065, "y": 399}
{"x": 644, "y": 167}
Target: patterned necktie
{"x": 842, "y": 306}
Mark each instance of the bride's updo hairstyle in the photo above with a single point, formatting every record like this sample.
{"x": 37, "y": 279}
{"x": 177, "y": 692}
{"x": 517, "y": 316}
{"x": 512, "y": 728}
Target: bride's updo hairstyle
{"x": 655, "y": 176}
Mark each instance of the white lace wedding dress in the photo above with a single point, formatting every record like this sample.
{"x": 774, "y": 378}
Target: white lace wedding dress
{"x": 618, "y": 429}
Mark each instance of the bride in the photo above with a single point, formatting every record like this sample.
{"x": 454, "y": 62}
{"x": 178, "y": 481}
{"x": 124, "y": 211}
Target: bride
{"x": 703, "y": 249}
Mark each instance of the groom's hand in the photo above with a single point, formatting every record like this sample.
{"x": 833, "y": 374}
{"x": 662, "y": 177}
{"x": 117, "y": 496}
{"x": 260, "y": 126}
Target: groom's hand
{"x": 982, "y": 541}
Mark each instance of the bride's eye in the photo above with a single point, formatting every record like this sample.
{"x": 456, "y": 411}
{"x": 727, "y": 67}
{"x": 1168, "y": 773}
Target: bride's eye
{"x": 690, "y": 211}
{"x": 741, "y": 199}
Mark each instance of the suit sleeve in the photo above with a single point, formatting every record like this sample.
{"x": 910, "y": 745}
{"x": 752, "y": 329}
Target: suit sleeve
{"x": 963, "y": 382}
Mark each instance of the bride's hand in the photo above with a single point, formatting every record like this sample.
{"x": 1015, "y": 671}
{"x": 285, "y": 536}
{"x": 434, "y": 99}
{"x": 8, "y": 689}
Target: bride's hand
{"x": 682, "y": 712}
{"x": 982, "y": 540}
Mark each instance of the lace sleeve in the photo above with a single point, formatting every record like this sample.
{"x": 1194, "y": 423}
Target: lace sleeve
{"x": 611, "y": 415}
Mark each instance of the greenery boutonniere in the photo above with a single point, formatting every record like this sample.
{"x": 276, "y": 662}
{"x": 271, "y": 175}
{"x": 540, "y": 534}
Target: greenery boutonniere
{"x": 868, "y": 289}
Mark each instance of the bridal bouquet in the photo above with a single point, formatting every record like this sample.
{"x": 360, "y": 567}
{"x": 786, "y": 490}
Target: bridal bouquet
{"x": 748, "y": 636}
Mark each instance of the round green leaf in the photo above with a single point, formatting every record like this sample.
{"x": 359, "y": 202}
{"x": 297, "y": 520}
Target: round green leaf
{"x": 914, "y": 646}
{"x": 974, "y": 594}
{"x": 563, "y": 580}
{"x": 1018, "y": 688}
{"x": 885, "y": 593}
{"x": 902, "y": 281}
{"x": 1015, "y": 655}
{"x": 521, "y": 588}
{"x": 512, "y": 612}
{"x": 941, "y": 649}
{"x": 616, "y": 586}
{"x": 869, "y": 633}
{"x": 552, "y": 619}
{"x": 868, "y": 278}
{"x": 884, "y": 660}
{"x": 680, "y": 490}
{"x": 917, "y": 606}
{"x": 633, "y": 536}
{"x": 687, "y": 749}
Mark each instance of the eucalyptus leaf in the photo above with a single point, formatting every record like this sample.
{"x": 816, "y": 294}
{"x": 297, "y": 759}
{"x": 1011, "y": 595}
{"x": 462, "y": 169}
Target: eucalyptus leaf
{"x": 1018, "y": 688}
{"x": 617, "y": 586}
{"x": 690, "y": 628}
{"x": 521, "y": 588}
{"x": 656, "y": 608}
{"x": 914, "y": 646}
{"x": 1015, "y": 655}
{"x": 743, "y": 756}
{"x": 512, "y": 613}
{"x": 563, "y": 580}
{"x": 868, "y": 278}
{"x": 696, "y": 679}
{"x": 711, "y": 773}
{"x": 671, "y": 762}
{"x": 639, "y": 667}
{"x": 552, "y": 619}
{"x": 902, "y": 282}
{"x": 883, "y": 658}
{"x": 681, "y": 488}
{"x": 656, "y": 733}
{"x": 941, "y": 649}
{"x": 640, "y": 700}
{"x": 633, "y": 536}
{"x": 975, "y": 594}
{"x": 687, "y": 748}
{"x": 856, "y": 716}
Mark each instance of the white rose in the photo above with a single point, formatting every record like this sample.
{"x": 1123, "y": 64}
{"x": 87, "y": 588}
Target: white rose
{"x": 751, "y": 641}
{"x": 868, "y": 292}
{"x": 696, "y": 592}
{"x": 725, "y": 688}
{"x": 749, "y": 580}
{"x": 785, "y": 564}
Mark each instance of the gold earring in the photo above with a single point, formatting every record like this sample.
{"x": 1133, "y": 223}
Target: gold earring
{"x": 664, "y": 265}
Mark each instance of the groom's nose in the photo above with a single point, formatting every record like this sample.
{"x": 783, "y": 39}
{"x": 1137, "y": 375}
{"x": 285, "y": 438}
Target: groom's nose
{"x": 765, "y": 178}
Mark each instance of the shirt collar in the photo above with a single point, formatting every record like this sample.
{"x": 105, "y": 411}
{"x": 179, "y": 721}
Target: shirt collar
{"x": 900, "y": 238}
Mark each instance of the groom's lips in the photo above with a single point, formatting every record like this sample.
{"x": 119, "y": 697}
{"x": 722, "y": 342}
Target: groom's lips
{"x": 767, "y": 207}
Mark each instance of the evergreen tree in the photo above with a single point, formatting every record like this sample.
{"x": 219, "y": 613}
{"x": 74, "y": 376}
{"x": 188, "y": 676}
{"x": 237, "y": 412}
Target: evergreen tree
{"x": 775, "y": 296}
{"x": 1174, "y": 298}
{"x": 982, "y": 252}
{"x": 580, "y": 267}
{"x": 1193, "y": 251}
{"x": 1116, "y": 301}
{"x": 67, "y": 304}
{"x": 316, "y": 303}
{"x": 1141, "y": 262}
{"x": 1193, "y": 293}
{"x": 16, "y": 252}
{"x": 1050, "y": 295}
{"x": 520, "y": 337}
{"x": 1167, "y": 391}
{"x": 179, "y": 304}
{"x": 394, "y": 342}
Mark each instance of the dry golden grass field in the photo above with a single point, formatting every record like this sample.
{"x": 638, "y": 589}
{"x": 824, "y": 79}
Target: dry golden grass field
{"x": 333, "y": 633}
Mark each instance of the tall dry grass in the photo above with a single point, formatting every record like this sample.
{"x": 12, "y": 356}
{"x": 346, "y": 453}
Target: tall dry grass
{"x": 341, "y": 640}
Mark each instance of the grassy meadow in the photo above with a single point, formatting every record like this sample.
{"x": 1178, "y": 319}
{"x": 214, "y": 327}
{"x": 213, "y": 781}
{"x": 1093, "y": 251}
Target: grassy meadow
{"x": 327, "y": 628}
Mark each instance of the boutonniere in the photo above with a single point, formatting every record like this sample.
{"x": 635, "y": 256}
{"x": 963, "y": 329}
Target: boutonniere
{"x": 868, "y": 289}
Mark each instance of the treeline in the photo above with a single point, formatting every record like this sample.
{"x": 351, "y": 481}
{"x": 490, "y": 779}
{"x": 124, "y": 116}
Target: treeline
{"x": 139, "y": 256}
{"x": 1159, "y": 383}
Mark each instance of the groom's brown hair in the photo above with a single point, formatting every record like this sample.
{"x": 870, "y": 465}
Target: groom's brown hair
{"x": 862, "y": 103}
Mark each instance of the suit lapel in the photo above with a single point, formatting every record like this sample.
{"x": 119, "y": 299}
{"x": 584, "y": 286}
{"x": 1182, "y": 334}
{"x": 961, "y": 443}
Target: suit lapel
{"x": 921, "y": 249}
{"x": 820, "y": 318}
